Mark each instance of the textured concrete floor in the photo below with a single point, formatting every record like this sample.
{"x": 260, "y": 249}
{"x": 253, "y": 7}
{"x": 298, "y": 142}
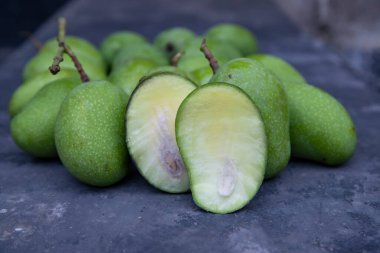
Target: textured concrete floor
{"x": 308, "y": 208}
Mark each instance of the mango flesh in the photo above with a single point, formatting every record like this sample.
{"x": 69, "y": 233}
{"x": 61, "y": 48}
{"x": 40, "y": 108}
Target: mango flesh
{"x": 283, "y": 70}
{"x": 90, "y": 133}
{"x": 33, "y": 127}
{"x": 235, "y": 35}
{"x": 25, "y": 92}
{"x": 114, "y": 42}
{"x": 321, "y": 129}
{"x": 128, "y": 76}
{"x": 151, "y": 130}
{"x": 267, "y": 93}
{"x": 43, "y": 60}
{"x": 146, "y": 51}
{"x": 224, "y": 150}
{"x": 173, "y": 40}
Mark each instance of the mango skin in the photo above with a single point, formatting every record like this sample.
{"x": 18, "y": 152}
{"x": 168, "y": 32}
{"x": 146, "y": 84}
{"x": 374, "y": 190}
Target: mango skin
{"x": 201, "y": 76}
{"x": 80, "y": 46}
{"x": 128, "y": 75}
{"x": 26, "y": 91}
{"x": 33, "y": 128}
{"x": 115, "y": 41}
{"x": 144, "y": 50}
{"x": 233, "y": 34}
{"x": 194, "y": 59}
{"x": 321, "y": 129}
{"x": 179, "y": 37}
{"x": 90, "y": 133}
{"x": 41, "y": 62}
{"x": 270, "y": 98}
{"x": 283, "y": 70}
{"x": 167, "y": 69}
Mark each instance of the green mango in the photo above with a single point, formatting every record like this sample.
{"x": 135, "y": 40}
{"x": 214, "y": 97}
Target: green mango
{"x": 25, "y": 92}
{"x": 132, "y": 51}
{"x": 201, "y": 76}
{"x": 192, "y": 61}
{"x": 235, "y": 35}
{"x": 114, "y": 42}
{"x": 321, "y": 129}
{"x": 218, "y": 48}
{"x": 90, "y": 133}
{"x": 173, "y": 40}
{"x": 80, "y": 46}
{"x": 267, "y": 93}
{"x": 167, "y": 69}
{"x": 283, "y": 70}
{"x": 33, "y": 127}
{"x": 129, "y": 75}
{"x": 43, "y": 60}
{"x": 194, "y": 58}
{"x": 194, "y": 44}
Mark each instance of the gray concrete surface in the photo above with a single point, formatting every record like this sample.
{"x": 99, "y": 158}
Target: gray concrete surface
{"x": 353, "y": 24}
{"x": 308, "y": 208}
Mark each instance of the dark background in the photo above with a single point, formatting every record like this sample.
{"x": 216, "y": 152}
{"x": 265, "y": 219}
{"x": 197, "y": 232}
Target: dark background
{"x": 22, "y": 15}
{"x": 352, "y": 27}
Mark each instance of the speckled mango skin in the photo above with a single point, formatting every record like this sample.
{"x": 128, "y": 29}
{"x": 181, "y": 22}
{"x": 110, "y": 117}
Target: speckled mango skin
{"x": 235, "y": 35}
{"x": 270, "y": 98}
{"x": 33, "y": 128}
{"x": 321, "y": 129}
{"x": 25, "y": 92}
{"x": 283, "y": 70}
{"x": 90, "y": 133}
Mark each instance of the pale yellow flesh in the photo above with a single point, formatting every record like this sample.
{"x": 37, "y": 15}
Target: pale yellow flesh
{"x": 223, "y": 143}
{"x": 150, "y": 131}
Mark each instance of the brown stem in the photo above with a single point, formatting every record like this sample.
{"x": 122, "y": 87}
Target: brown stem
{"x": 210, "y": 57}
{"x": 175, "y": 59}
{"x": 64, "y": 48}
{"x": 58, "y": 58}
{"x": 36, "y": 42}
{"x": 83, "y": 75}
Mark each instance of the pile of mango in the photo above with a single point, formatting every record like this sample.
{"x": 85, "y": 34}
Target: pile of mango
{"x": 202, "y": 113}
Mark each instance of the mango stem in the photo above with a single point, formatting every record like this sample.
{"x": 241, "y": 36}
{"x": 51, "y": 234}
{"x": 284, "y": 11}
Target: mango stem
{"x": 64, "y": 48}
{"x": 35, "y": 42}
{"x": 210, "y": 57}
{"x": 175, "y": 59}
